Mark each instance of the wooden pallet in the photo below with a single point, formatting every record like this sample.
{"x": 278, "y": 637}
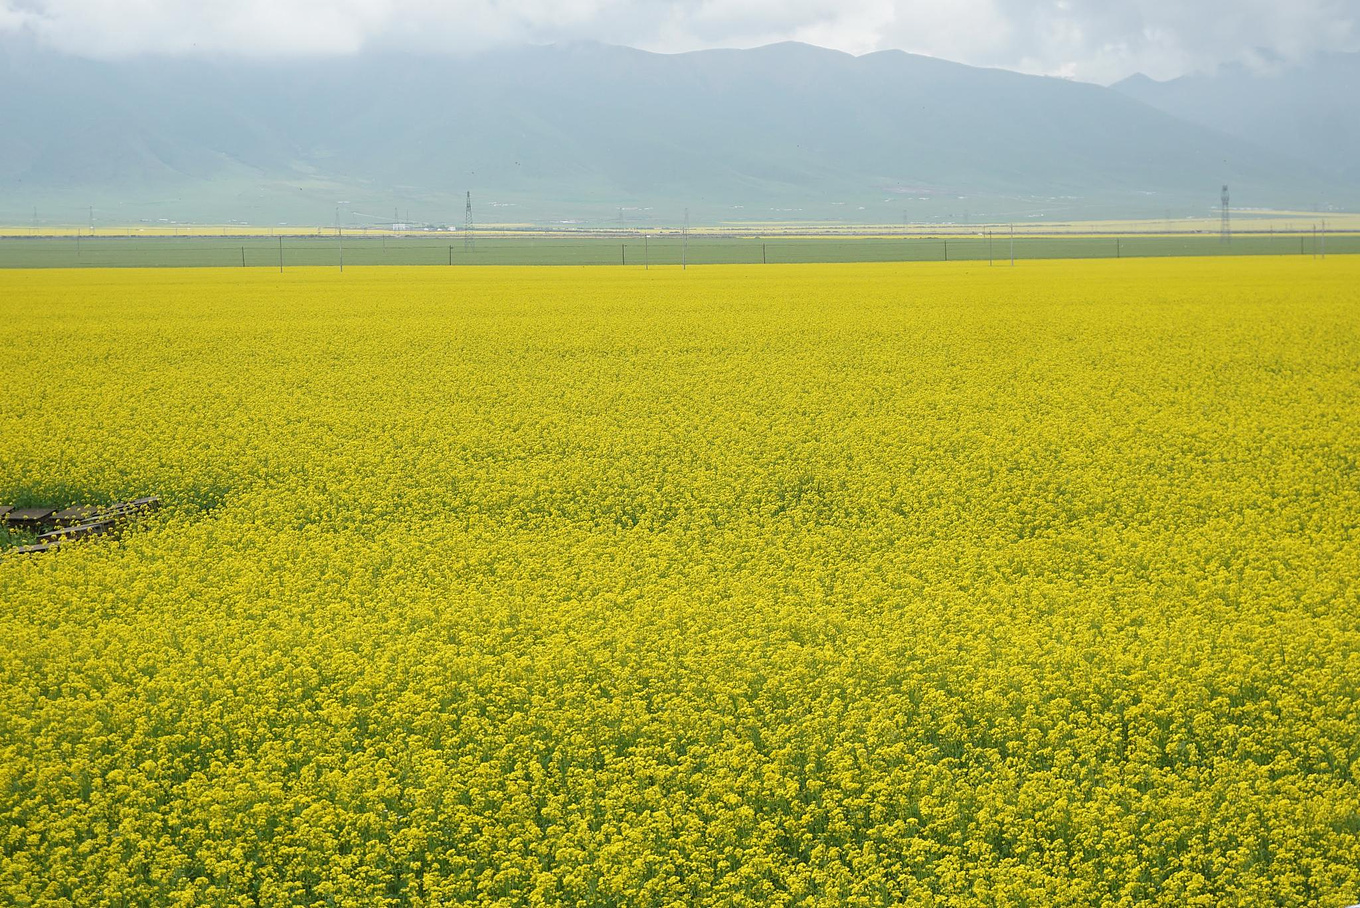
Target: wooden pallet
{"x": 78, "y": 514}
{"x": 29, "y": 517}
{"x": 78, "y": 531}
{"x": 75, "y": 522}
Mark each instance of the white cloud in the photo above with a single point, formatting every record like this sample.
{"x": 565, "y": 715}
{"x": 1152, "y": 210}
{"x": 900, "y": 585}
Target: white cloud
{"x": 970, "y": 31}
{"x": 1099, "y": 40}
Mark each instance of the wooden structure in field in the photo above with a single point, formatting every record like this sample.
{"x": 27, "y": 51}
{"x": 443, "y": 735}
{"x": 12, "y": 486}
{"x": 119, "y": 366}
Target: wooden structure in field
{"x": 60, "y": 526}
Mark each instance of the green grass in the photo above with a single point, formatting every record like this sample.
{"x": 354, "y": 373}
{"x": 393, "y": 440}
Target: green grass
{"x": 264, "y": 252}
{"x": 13, "y": 537}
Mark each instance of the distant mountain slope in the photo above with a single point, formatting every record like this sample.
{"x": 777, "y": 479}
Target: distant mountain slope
{"x": 782, "y": 132}
{"x": 1310, "y": 112}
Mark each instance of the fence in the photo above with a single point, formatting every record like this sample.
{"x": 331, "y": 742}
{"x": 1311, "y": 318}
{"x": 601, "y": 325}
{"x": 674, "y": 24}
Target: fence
{"x": 635, "y": 251}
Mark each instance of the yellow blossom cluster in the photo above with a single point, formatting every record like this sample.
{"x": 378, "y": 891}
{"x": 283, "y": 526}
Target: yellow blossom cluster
{"x": 937, "y": 585}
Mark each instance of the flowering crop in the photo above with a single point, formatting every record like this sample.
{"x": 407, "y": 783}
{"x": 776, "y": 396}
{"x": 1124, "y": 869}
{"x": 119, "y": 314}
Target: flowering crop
{"x": 805, "y": 585}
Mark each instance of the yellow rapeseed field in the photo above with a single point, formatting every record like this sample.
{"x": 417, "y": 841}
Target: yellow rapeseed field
{"x": 937, "y": 585}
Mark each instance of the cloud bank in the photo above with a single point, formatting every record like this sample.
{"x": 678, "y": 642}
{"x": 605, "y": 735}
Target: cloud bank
{"x": 1094, "y": 40}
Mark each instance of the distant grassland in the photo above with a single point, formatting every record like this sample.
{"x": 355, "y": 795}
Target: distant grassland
{"x": 1244, "y": 221}
{"x": 631, "y": 249}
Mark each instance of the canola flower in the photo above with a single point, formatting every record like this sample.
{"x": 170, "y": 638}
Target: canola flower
{"x": 932, "y": 585}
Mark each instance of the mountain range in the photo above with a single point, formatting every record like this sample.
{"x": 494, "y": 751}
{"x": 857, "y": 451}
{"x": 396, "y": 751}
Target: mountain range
{"x": 1310, "y": 113}
{"x": 598, "y": 134}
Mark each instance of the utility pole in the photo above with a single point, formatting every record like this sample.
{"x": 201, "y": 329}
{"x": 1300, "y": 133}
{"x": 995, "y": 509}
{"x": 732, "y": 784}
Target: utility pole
{"x": 340, "y": 237}
{"x": 991, "y": 259}
{"x": 1324, "y": 241}
{"x": 1012, "y": 245}
{"x": 646, "y": 254}
{"x": 280, "y": 255}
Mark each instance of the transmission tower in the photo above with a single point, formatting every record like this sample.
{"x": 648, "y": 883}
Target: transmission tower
{"x": 684, "y": 249}
{"x": 468, "y": 242}
{"x": 1225, "y": 225}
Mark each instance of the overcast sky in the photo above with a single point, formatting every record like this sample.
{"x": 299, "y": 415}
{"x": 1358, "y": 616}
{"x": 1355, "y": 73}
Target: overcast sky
{"x": 1094, "y": 40}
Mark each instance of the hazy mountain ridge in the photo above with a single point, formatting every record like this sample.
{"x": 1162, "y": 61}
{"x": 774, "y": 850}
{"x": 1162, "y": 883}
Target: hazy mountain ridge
{"x": 1309, "y": 111}
{"x": 579, "y": 130}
